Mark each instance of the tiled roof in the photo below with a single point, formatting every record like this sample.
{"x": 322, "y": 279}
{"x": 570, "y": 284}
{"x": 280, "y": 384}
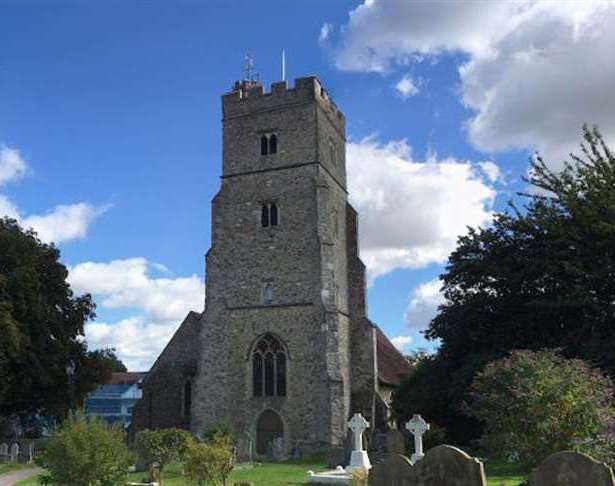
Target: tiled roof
{"x": 392, "y": 366}
{"x": 128, "y": 378}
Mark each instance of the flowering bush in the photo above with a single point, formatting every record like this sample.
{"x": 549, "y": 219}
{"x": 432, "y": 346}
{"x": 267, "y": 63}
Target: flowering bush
{"x": 533, "y": 404}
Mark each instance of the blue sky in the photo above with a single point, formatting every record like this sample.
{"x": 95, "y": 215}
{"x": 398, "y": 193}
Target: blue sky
{"x": 110, "y": 132}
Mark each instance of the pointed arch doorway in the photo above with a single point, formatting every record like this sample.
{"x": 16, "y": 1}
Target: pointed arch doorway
{"x": 268, "y": 427}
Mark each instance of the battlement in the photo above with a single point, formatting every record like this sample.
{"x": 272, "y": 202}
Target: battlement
{"x": 249, "y": 96}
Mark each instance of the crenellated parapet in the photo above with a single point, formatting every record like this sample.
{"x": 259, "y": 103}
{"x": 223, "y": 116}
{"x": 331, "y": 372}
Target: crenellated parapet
{"x": 248, "y": 97}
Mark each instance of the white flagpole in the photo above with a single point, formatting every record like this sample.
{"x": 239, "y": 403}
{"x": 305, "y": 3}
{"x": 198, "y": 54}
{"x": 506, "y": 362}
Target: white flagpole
{"x": 283, "y": 65}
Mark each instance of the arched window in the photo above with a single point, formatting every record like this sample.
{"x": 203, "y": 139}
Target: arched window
{"x": 269, "y": 215}
{"x": 265, "y": 215}
{"x": 264, "y": 145}
{"x": 273, "y": 144}
{"x": 187, "y": 398}
{"x": 273, "y": 214}
{"x": 268, "y": 293}
{"x": 268, "y": 368}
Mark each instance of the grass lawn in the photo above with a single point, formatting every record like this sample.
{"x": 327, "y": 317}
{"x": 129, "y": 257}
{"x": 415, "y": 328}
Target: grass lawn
{"x": 499, "y": 473}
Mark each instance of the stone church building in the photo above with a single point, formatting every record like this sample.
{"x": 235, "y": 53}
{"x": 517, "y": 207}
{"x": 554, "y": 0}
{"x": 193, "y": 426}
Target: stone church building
{"x": 284, "y": 352}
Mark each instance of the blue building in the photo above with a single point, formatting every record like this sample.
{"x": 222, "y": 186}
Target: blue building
{"x": 113, "y": 401}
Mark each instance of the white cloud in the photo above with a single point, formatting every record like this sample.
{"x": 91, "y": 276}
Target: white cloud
{"x": 12, "y": 165}
{"x": 411, "y": 212}
{"x": 401, "y": 342}
{"x": 407, "y": 87}
{"x": 160, "y": 303}
{"x": 534, "y": 70}
{"x": 424, "y": 302}
{"x": 491, "y": 170}
{"x": 63, "y": 223}
{"x": 325, "y": 32}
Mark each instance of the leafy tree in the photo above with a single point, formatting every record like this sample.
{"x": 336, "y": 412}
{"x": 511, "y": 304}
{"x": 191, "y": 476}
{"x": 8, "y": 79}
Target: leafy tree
{"x": 85, "y": 451}
{"x": 109, "y": 360}
{"x": 209, "y": 462}
{"x": 160, "y": 447}
{"x": 540, "y": 276}
{"x": 535, "y": 403}
{"x": 42, "y": 329}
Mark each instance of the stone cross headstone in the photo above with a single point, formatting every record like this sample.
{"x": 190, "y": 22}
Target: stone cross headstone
{"x": 571, "y": 468}
{"x": 417, "y": 427}
{"x": 358, "y": 457}
{"x": 14, "y": 452}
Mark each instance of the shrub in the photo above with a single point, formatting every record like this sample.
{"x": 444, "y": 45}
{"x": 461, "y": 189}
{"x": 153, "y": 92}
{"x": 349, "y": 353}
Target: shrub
{"x": 359, "y": 477}
{"x": 435, "y": 436}
{"x": 536, "y": 403}
{"x": 160, "y": 447}
{"x": 209, "y": 462}
{"x": 85, "y": 451}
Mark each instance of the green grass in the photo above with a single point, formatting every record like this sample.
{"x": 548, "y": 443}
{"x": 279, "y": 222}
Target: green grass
{"x": 501, "y": 473}
{"x": 292, "y": 473}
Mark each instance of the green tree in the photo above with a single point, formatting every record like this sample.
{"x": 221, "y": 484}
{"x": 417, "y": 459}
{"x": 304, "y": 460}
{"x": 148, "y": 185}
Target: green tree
{"x": 42, "y": 329}
{"x": 535, "y": 403}
{"x": 540, "y": 276}
{"x": 85, "y": 452}
{"x": 209, "y": 462}
{"x": 160, "y": 447}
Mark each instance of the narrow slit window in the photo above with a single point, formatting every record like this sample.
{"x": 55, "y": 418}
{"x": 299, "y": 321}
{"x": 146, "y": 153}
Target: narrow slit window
{"x": 187, "y": 398}
{"x": 273, "y": 144}
{"x": 273, "y": 214}
{"x": 265, "y": 215}
{"x": 264, "y": 145}
{"x": 268, "y": 293}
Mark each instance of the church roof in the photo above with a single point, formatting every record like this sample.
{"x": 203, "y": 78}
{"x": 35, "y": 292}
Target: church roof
{"x": 392, "y": 366}
{"x": 128, "y": 378}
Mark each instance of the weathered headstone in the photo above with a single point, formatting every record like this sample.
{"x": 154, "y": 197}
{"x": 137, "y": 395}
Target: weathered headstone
{"x": 397, "y": 470}
{"x": 571, "y": 469}
{"x": 417, "y": 427}
{"x": 4, "y": 450}
{"x": 14, "y": 452}
{"x": 441, "y": 466}
{"x": 395, "y": 442}
{"x": 446, "y": 465}
{"x": 358, "y": 457}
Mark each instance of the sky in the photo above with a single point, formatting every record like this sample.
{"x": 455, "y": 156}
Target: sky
{"x": 110, "y": 133}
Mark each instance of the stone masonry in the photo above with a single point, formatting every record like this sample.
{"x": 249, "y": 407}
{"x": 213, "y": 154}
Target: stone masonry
{"x": 314, "y": 304}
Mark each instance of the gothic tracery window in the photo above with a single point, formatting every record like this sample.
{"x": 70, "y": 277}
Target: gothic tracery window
{"x": 264, "y": 145}
{"x": 273, "y": 143}
{"x": 269, "y": 368}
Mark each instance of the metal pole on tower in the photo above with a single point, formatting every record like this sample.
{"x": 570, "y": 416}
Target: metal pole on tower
{"x": 283, "y": 65}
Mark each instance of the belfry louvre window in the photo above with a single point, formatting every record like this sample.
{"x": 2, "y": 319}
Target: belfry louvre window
{"x": 269, "y": 144}
{"x": 269, "y": 215}
{"x": 268, "y": 368}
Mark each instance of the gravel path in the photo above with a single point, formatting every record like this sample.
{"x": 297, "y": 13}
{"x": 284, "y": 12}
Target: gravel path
{"x": 11, "y": 478}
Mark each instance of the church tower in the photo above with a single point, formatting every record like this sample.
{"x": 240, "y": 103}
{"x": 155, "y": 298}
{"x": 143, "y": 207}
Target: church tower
{"x": 283, "y": 352}
{"x": 275, "y": 338}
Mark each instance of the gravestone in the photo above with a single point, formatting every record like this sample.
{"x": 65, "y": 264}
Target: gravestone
{"x": 395, "y": 442}
{"x": 358, "y": 458}
{"x": 14, "y": 452}
{"x": 4, "y": 450}
{"x": 417, "y": 427}
{"x": 571, "y": 469}
{"x": 397, "y": 470}
{"x": 441, "y": 466}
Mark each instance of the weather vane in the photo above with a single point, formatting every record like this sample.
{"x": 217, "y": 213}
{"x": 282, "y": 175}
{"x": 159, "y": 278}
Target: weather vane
{"x": 248, "y": 69}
